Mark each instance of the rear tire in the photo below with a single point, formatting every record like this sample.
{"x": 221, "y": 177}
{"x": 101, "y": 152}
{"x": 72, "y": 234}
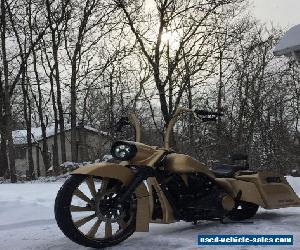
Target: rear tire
{"x": 246, "y": 210}
{"x": 65, "y": 222}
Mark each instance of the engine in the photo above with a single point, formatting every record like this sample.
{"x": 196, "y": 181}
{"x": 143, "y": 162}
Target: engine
{"x": 196, "y": 196}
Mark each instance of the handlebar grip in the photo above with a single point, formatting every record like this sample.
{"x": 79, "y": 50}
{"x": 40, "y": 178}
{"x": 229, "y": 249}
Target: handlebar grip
{"x": 124, "y": 121}
{"x": 207, "y": 119}
{"x": 206, "y": 113}
{"x": 217, "y": 113}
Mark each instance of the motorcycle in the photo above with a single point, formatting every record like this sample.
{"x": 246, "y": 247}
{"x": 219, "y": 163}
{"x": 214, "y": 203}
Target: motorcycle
{"x": 103, "y": 204}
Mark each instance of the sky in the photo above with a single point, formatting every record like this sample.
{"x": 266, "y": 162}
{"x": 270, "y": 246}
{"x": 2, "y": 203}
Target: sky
{"x": 285, "y": 13}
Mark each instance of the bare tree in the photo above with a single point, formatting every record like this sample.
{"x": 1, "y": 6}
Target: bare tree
{"x": 189, "y": 20}
{"x": 13, "y": 66}
{"x": 78, "y": 45}
{"x": 57, "y": 16}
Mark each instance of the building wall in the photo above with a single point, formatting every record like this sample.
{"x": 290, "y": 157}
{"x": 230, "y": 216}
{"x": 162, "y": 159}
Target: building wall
{"x": 21, "y": 166}
{"x": 21, "y": 162}
{"x": 91, "y": 146}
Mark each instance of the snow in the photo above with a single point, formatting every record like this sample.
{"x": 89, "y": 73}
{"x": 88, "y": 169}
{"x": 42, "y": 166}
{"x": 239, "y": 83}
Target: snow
{"x": 107, "y": 158}
{"x": 290, "y": 42}
{"x": 27, "y": 222}
{"x": 20, "y": 136}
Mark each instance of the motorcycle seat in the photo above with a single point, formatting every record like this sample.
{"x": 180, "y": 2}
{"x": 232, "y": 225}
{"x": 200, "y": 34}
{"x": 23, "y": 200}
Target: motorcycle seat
{"x": 227, "y": 171}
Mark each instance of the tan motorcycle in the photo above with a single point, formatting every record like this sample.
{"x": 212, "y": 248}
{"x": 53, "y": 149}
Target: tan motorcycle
{"x": 103, "y": 204}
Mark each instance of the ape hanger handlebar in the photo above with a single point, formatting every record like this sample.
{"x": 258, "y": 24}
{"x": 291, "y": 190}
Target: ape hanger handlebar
{"x": 206, "y": 113}
{"x": 203, "y": 114}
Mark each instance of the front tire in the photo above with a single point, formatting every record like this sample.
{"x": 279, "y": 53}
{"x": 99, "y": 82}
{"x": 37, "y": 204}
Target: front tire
{"x": 118, "y": 223}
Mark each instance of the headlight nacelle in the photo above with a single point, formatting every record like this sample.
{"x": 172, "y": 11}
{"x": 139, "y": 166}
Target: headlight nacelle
{"x": 123, "y": 151}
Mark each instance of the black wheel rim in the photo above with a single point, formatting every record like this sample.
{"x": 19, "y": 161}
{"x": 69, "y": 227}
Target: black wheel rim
{"x": 92, "y": 212}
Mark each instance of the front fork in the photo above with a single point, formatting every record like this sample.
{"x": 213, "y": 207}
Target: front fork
{"x": 141, "y": 173}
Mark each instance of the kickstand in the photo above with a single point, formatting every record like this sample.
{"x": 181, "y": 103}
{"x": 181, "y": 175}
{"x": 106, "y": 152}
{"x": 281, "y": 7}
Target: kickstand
{"x": 195, "y": 222}
{"x": 226, "y": 220}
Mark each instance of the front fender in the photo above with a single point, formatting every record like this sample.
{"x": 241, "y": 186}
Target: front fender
{"x": 105, "y": 169}
{"x": 125, "y": 175}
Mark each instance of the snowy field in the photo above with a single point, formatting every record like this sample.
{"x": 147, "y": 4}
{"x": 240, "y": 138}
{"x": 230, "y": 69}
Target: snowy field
{"x": 27, "y": 222}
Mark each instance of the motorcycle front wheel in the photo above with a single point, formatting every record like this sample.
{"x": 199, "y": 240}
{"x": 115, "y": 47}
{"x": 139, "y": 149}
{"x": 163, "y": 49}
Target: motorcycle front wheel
{"x": 87, "y": 213}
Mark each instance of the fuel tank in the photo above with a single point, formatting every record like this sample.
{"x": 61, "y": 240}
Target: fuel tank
{"x": 183, "y": 164}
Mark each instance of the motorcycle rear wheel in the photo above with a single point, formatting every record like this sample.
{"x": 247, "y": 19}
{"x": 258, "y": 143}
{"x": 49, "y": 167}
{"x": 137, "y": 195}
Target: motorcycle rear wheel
{"x": 118, "y": 222}
{"x": 245, "y": 210}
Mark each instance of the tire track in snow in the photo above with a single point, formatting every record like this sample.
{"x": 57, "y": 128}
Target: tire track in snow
{"x": 26, "y": 224}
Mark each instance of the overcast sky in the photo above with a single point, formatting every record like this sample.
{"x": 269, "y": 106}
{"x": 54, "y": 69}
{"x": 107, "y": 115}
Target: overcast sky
{"x": 285, "y": 13}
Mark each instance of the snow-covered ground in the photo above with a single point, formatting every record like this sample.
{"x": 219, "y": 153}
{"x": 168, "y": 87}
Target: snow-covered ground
{"x": 27, "y": 222}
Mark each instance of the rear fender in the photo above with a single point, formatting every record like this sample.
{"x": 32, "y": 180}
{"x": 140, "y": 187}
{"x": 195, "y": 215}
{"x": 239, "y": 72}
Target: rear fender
{"x": 274, "y": 189}
{"x": 125, "y": 175}
{"x": 249, "y": 191}
{"x": 268, "y": 190}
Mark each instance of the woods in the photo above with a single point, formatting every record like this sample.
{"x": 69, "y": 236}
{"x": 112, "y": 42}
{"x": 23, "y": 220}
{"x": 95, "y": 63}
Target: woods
{"x": 89, "y": 62}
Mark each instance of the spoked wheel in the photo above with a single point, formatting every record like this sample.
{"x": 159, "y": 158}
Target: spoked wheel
{"x": 87, "y": 212}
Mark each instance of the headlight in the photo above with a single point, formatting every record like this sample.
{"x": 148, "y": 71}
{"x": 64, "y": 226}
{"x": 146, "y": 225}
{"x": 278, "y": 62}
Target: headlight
{"x": 123, "y": 151}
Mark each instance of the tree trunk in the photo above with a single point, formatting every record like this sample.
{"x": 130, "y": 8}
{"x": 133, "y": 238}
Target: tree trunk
{"x": 73, "y": 114}
{"x": 11, "y": 152}
{"x": 7, "y": 98}
{"x": 39, "y": 104}
{"x": 75, "y": 61}
{"x": 56, "y": 123}
{"x": 191, "y": 116}
{"x": 56, "y": 38}
{"x": 3, "y": 157}
{"x": 62, "y": 134}
{"x": 27, "y": 117}
{"x": 38, "y": 167}
{"x": 3, "y": 148}
{"x": 220, "y": 148}
{"x": 220, "y": 92}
